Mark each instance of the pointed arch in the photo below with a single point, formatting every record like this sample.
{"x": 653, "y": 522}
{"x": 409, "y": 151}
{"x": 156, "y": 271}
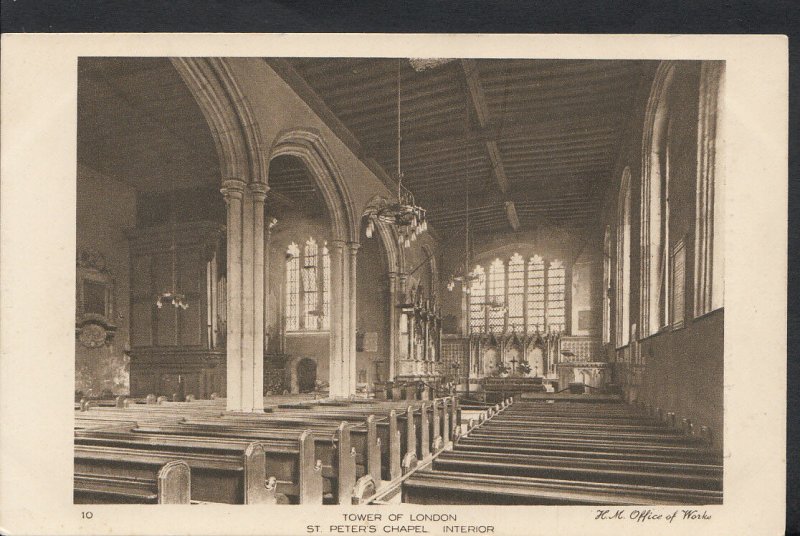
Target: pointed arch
{"x": 310, "y": 148}
{"x": 654, "y": 222}
{"x": 622, "y": 300}
{"x": 229, "y": 117}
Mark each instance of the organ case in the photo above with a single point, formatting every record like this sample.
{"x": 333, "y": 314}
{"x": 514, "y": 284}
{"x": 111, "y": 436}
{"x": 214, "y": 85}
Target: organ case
{"x": 171, "y": 342}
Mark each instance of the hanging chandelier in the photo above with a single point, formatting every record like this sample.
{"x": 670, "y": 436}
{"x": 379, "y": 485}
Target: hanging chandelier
{"x": 409, "y": 219}
{"x": 172, "y": 296}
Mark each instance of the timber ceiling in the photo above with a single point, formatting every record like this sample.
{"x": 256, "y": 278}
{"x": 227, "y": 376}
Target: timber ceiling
{"x": 536, "y": 140}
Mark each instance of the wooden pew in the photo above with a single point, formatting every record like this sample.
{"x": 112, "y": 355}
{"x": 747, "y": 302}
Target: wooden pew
{"x": 332, "y": 448}
{"x": 442, "y": 487}
{"x": 364, "y": 437}
{"x": 620, "y": 470}
{"x": 290, "y": 457}
{"x": 234, "y": 477}
{"x": 518, "y": 454}
{"x": 169, "y": 483}
{"x": 290, "y": 463}
{"x": 383, "y": 463}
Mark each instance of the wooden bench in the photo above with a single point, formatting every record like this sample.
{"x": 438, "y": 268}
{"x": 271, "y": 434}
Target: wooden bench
{"x": 290, "y": 463}
{"x": 443, "y": 487}
{"x": 620, "y": 470}
{"x": 400, "y": 429}
{"x": 332, "y": 448}
{"x": 364, "y": 439}
{"x": 526, "y": 454}
{"x": 383, "y": 462}
{"x": 169, "y": 483}
{"x": 290, "y": 457}
{"x": 219, "y": 475}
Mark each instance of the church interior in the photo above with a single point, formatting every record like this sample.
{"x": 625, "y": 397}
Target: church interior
{"x": 399, "y": 280}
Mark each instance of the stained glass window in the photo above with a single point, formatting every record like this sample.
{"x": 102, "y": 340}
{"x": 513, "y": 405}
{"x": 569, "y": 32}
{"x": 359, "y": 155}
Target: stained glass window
{"x": 556, "y": 296}
{"x": 477, "y": 320}
{"x": 536, "y": 294}
{"x": 516, "y": 293}
{"x": 308, "y": 281}
{"x": 497, "y": 291}
{"x": 326, "y": 287}
{"x": 310, "y": 291}
{"x": 292, "y": 287}
{"x": 530, "y": 299}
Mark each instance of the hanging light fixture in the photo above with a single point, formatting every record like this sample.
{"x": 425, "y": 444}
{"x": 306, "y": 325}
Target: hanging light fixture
{"x": 409, "y": 219}
{"x": 172, "y": 296}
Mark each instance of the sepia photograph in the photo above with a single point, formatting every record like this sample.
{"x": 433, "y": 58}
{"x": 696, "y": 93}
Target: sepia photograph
{"x": 390, "y": 284}
{"x": 399, "y": 280}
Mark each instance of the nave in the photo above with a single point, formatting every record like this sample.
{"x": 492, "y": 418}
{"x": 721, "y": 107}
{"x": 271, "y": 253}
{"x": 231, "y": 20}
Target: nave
{"x": 394, "y": 280}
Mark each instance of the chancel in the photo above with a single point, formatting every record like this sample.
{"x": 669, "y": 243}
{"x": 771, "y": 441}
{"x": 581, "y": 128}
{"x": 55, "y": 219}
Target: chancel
{"x": 384, "y": 280}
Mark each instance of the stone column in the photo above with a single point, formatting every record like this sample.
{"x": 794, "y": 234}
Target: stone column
{"x": 256, "y": 398}
{"x": 233, "y": 190}
{"x": 393, "y": 327}
{"x": 267, "y": 285}
{"x": 351, "y": 363}
{"x": 248, "y": 301}
{"x": 337, "y": 387}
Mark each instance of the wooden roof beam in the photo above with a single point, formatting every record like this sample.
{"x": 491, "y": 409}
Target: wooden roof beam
{"x": 478, "y": 99}
{"x": 511, "y": 214}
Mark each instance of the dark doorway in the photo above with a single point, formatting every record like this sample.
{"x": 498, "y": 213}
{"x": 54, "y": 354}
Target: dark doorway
{"x": 306, "y": 375}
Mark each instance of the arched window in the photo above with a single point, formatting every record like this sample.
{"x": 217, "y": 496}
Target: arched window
{"x": 536, "y": 294}
{"x": 497, "y": 291}
{"x": 556, "y": 296}
{"x": 307, "y": 287}
{"x": 326, "y": 288}
{"x": 516, "y": 293}
{"x": 709, "y": 260}
{"x": 292, "y": 287}
{"x": 655, "y": 205}
{"x": 477, "y": 296}
{"x": 623, "y": 257}
{"x": 518, "y": 300}
{"x": 607, "y": 255}
{"x": 310, "y": 290}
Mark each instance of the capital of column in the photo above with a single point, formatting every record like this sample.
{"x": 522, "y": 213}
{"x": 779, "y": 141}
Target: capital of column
{"x": 233, "y": 188}
{"x": 353, "y": 246}
{"x": 338, "y": 244}
{"x": 259, "y": 191}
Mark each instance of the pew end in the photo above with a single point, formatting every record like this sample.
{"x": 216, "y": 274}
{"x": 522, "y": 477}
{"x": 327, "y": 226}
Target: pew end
{"x": 409, "y": 462}
{"x": 364, "y": 489}
{"x": 174, "y": 483}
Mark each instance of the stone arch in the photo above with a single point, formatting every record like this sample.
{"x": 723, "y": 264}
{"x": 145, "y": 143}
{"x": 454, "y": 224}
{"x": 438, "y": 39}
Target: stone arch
{"x": 229, "y": 117}
{"x": 622, "y": 277}
{"x": 308, "y": 146}
{"x": 291, "y": 372}
{"x": 651, "y": 243}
